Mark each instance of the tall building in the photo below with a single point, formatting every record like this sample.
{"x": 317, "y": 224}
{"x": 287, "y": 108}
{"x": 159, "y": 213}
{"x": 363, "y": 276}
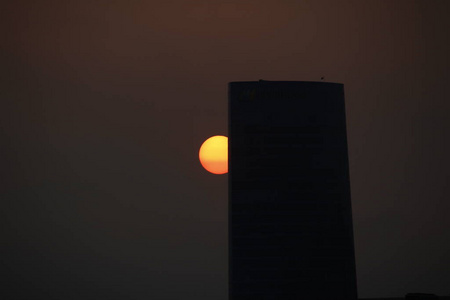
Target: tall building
{"x": 290, "y": 232}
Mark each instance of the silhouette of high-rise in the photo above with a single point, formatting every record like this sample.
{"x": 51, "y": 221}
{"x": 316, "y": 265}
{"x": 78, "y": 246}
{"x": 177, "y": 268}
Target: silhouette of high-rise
{"x": 290, "y": 232}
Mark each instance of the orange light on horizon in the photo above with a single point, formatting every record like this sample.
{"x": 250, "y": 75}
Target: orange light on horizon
{"x": 213, "y": 154}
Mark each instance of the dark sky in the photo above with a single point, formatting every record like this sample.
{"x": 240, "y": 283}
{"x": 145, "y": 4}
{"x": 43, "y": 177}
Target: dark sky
{"x": 104, "y": 105}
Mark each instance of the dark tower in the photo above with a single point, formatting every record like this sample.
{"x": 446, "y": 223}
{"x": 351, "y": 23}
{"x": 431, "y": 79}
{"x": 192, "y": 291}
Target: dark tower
{"x": 290, "y": 231}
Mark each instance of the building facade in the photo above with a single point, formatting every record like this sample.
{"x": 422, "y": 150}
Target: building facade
{"x": 290, "y": 218}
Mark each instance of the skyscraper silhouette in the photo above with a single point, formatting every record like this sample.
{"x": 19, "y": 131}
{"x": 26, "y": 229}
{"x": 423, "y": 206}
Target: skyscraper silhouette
{"x": 290, "y": 232}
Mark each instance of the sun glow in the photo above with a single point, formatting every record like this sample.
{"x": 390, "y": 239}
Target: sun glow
{"x": 213, "y": 154}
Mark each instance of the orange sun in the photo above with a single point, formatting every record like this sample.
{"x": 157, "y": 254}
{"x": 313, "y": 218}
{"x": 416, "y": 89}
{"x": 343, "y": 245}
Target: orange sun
{"x": 213, "y": 154}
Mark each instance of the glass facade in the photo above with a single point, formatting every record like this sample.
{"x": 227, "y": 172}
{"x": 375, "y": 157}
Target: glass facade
{"x": 290, "y": 220}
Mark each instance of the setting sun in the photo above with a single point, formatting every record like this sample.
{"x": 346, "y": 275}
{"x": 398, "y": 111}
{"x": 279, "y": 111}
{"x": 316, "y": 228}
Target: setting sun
{"x": 213, "y": 154}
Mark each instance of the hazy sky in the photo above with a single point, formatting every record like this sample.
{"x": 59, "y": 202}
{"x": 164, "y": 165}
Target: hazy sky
{"x": 104, "y": 105}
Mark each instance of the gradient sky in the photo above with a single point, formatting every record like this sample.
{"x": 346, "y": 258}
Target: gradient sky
{"x": 104, "y": 105}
